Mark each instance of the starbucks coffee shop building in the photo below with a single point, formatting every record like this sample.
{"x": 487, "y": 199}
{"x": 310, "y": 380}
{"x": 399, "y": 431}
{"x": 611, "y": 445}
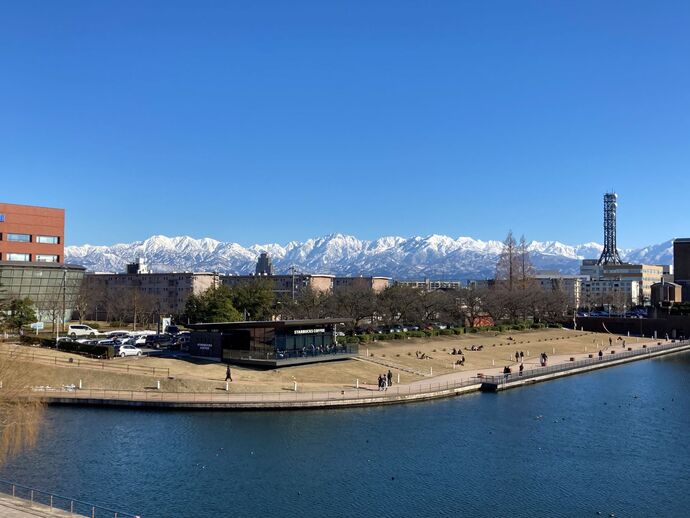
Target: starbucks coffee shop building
{"x": 271, "y": 343}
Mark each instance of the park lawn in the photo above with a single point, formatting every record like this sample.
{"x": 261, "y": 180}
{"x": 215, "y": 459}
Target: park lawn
{"x": 499, "y": 349}
{"x": 194, "y": 375}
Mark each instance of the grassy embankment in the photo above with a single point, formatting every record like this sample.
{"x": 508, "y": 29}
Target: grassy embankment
{"x": 51, "y": 368}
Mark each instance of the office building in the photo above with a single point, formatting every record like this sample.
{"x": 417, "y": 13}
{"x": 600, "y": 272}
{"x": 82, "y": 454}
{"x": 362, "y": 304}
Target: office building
{"x": 666, "y": 293}
{"x": 32, "y": 261}
{"x": 264, "y": 266}
{"x": 681, "y": 265}
{"x": 610, "y": 292}
{"x": 31, "y": 234}
{"x": 643, "y": 274}
{"x": 569, "y": 285}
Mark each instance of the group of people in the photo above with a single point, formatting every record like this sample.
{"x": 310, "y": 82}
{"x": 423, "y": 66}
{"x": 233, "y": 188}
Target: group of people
{"x": 385, "y": 381}
{"x": 542, "y": 359}
{"x": 422, "y": 356}
{"x": 461, "y": 360}
{"x": 475, "y": 348}
{"x": 316, "y": 350}
{"x": 519, "y": 356}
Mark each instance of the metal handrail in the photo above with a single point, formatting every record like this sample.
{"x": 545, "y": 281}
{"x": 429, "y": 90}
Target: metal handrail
{"x": 57, "y": 502}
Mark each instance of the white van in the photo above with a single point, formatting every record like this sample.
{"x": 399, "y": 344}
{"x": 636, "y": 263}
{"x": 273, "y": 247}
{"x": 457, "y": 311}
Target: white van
{"x": 76, "y": 330}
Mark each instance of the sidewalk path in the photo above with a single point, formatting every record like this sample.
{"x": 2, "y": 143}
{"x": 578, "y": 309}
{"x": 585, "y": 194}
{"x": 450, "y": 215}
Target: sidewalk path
{"x": 18, "y": 508}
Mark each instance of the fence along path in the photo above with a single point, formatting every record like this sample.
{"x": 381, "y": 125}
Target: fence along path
{"x": 28, "y": 501}
{"x": 248, "y": 399}
{"x": 77, "y": 361}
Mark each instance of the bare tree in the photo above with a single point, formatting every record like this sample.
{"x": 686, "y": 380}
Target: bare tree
{"x": 508, "y": 265}
{"x": 309, "y": 304}
{"x": 355, "y": 302}
{"x": 397, "y": 304}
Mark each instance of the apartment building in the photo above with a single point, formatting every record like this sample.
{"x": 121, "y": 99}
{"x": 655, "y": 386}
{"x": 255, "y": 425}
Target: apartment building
{"x": 429, "y": 285}
{"x": 120, "y": 295}
{"x": 289, "y": 286}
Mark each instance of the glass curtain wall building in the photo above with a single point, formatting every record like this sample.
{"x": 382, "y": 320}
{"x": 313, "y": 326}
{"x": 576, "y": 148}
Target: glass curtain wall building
{"x": 53, "y": 288}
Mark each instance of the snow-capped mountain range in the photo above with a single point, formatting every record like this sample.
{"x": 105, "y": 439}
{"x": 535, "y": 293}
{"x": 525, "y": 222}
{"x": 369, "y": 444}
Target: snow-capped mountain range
{"x": 432, "y": 257}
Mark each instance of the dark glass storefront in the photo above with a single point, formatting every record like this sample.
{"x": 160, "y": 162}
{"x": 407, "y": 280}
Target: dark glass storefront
{"x": 295, "y": 341}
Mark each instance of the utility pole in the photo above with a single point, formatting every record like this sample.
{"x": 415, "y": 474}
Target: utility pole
{"x": 64, "y": 296}
{"x": 293, "y": 270}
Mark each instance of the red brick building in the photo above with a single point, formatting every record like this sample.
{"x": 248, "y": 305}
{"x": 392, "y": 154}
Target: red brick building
{"x": 31, "y": 234}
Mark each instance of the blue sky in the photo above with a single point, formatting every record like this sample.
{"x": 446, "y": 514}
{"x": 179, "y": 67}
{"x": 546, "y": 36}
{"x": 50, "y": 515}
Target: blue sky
{"x": 277, "y": 121}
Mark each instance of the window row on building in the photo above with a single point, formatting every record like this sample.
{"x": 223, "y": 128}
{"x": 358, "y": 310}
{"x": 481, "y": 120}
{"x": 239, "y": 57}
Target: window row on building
{"x": 28, "y": 238}
{"x": 39, "y": 258}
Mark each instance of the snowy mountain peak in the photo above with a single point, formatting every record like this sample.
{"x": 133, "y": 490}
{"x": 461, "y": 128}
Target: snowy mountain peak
{"x": 434, "y": 256}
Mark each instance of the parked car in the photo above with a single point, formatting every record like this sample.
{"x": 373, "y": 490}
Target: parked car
{"x": 158, "y": 341}
{"x": 75, "y": 330}
{"x": 127, "y": 350}
{"x": 109, "y": 341}
{"x": 116, "y": 334}
{"x": 137, "y": 339}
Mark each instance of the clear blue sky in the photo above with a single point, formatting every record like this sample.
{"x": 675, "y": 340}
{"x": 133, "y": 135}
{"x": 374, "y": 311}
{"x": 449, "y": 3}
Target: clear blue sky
{"x": 272, "y": 121}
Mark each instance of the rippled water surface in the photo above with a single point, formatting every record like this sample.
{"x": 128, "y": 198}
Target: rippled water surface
{"x": 614, "y": 441}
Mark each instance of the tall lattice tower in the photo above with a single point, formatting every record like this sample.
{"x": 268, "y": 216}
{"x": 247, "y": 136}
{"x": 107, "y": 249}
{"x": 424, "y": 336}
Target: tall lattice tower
{"x": 610, "y": 253}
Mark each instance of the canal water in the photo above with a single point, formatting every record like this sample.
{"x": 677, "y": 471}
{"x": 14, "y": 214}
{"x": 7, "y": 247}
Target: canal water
{"x": 612, "y": 441}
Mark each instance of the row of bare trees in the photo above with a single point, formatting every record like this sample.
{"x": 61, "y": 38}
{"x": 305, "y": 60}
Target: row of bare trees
{"x": 117, "y": 304}
{"x": 401, "y": 305}
{"x": 512, "y": 295}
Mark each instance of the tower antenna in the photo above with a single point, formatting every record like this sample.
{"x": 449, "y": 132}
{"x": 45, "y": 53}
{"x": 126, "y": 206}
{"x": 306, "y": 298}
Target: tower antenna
{"x": 610, "y": 253}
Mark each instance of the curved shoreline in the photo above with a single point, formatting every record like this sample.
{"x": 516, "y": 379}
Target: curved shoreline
{"x": 339, "y": 399}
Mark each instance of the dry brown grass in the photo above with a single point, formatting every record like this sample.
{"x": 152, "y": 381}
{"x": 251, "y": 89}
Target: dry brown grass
{"x": 498, "y": 349}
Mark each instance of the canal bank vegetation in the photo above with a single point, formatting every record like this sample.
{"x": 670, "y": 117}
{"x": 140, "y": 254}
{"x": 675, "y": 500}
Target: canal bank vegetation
{"x": 20, "y": 418}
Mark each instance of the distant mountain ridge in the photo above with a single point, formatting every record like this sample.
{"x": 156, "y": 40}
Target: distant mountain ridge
{"x": 433, "y": 257}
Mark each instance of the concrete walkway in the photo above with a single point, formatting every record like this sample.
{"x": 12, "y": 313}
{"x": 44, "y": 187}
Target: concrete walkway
{"x": 18, "y": 508}
{"x": 532, "y": 361}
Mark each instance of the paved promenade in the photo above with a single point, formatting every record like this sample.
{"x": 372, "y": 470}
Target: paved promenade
{"x": 17, "y": 508}
{"x": 442, "y": 386}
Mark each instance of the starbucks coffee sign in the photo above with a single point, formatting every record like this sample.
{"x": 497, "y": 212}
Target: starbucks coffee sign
{"x": 308, "y": 331}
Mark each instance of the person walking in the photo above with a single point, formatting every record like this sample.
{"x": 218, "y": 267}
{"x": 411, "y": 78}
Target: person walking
{"x": 390, "y": 378}
{"x": 517, "y": 357}
{"x": 522, "y": 356}
{"x": 228, "y": 374}
{"x": 522, "y": 368}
